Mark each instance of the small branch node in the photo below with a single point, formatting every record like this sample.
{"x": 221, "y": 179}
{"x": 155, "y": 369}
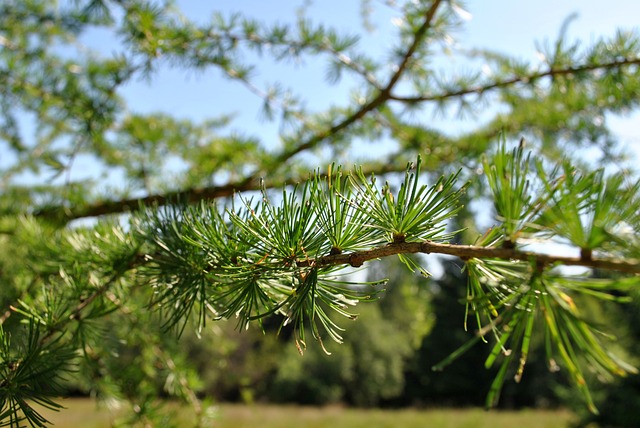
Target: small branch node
{"x": 399, "y": 238}
{"x": 356, "y": 260}
{"x": 508, "y": 244}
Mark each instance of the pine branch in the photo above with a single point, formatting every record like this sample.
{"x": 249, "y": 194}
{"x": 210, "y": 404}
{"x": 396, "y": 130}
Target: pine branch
{"x": 192, "y": 195}
{"x": 553, "y": 72}
{"x": 75, "y": 314}
{"x": 382, "y": 96}
{"x": 322, "y": 47}
{"x": 189, "y": 196}
{"x": 465, "y": 252}
{"x": 251, "y": 182}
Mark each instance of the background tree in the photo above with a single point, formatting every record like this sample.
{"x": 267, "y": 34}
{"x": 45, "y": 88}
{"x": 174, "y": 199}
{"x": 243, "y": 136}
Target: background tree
{"x": 174, "y": 246}
{"x": 451, "y": 387}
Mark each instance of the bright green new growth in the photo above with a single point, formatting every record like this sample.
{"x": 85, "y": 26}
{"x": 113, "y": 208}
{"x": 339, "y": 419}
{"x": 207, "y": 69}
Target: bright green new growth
{"x": 256, "y": 260}
{"x": 259, "y": 260}
{"x": 31, "y": 374}
{"x": 415, "y": 214}
{"x": 509, "y": 297}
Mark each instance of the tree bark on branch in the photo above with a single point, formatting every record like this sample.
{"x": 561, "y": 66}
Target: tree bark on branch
{"x": 466, "y": 252}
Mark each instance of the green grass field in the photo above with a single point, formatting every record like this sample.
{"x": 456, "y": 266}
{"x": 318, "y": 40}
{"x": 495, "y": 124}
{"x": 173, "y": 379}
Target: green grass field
{"x": 85, "y": 413}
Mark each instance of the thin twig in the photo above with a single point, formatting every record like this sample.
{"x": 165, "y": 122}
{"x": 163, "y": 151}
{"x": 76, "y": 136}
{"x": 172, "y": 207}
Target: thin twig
{"x": 358, "y": 258}
{"x": 252, "y": 182}
{"x": 518, "y": 79}
{"x": 374, "y": 103}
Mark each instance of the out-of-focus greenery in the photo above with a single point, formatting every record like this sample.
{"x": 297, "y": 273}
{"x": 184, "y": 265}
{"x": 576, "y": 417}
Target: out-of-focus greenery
{"x": 84, "y": 412}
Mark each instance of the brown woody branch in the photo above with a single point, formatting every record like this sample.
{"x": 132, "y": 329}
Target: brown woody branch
{"x": 466, "y": 252}
{"x": 133, "y": 204}
{"x": 252, "y": 182}
{"x": 553, "y": 72}
{"x": 383, "y": 96}
{"x": 188, "y": 196}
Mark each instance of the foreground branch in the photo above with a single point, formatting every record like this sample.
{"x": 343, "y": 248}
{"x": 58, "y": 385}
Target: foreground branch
{"x": 358, "y": 258}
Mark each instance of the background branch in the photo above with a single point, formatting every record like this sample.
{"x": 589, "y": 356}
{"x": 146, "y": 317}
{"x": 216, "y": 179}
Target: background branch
{"x": 520, "y": 79}
{"x": 252, "y": 182}
{"x": 374, "y": 103}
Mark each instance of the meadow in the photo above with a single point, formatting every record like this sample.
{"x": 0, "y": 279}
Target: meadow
{"x": 85, "y": 413}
